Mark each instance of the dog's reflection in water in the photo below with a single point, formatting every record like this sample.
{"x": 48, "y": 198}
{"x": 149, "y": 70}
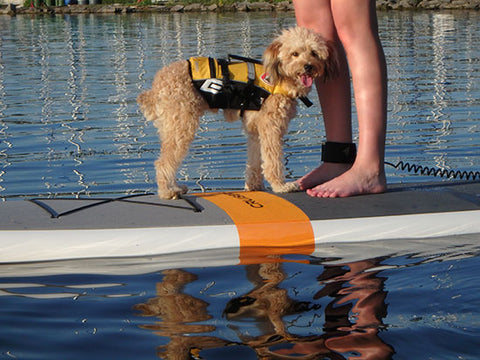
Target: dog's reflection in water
{"x": 352, "y": 318}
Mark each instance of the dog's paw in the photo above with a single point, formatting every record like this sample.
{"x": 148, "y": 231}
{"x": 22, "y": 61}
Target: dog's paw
{"x": 173, "y": 193}
{"x": 286, "y": 187}
{"x": 254, "y": 187}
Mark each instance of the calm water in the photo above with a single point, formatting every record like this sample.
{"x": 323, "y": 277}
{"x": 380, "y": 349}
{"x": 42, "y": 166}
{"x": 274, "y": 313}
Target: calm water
{"x": 69, "y": 122}
{"x": 69, "y": 125}
{"x": 401, "y": 304}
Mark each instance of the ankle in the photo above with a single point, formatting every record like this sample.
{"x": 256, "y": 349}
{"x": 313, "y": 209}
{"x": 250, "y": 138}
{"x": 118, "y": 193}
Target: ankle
{"x": 339, "y": 152}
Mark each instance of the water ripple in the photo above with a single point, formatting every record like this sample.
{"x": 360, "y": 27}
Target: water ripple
{"x": 82, "y": 130}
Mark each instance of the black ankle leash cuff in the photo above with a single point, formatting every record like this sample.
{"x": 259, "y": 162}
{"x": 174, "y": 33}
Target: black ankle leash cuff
{"x": 336, "y": 152}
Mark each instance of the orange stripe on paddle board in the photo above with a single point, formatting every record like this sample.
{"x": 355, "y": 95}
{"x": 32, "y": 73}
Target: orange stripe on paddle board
{"x": 267, "y": 224}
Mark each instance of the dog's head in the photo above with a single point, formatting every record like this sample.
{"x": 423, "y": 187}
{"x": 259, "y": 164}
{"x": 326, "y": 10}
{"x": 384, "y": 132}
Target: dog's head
{"x": 298, "y": 56}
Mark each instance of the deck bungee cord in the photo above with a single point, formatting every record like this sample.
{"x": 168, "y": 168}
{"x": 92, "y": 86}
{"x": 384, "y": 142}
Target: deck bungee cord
{"x": 95, "y": 202}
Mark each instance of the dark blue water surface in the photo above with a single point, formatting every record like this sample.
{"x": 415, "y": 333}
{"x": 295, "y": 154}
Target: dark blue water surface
{"x": 69, "y": 125}
{"x": 420, "y": 303}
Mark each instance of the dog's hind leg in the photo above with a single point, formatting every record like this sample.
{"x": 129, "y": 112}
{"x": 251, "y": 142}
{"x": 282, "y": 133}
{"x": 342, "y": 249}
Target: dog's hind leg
{"x": 175, "y": 143}
{"x": 166, "y": 171}
{"x": 253, "y": 171}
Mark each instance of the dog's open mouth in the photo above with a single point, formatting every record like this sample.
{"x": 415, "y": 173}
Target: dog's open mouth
{"x": 306, "y": 80}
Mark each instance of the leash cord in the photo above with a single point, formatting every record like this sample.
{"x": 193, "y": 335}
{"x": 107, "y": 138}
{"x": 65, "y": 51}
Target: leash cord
{"x": 431, "y": 171}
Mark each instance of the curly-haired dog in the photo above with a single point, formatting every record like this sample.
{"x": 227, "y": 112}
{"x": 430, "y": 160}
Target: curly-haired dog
{"x": 290, "y": 65}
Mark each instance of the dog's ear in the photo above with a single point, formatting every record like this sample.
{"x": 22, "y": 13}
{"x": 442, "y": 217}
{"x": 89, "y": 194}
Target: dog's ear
{"x": 271, "y": 61}
{"x": 332, "y": 64}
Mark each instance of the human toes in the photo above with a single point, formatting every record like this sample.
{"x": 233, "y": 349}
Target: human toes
{"x": 316, "y": 192}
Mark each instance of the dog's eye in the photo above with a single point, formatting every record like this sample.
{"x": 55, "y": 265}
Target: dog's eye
{"x": 294, "y": 54}
{"x": 314, "y": 54}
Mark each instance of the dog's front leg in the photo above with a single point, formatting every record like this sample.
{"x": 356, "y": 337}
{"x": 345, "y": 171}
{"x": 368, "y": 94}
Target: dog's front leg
{"x": 271, "y": 142}
{"x": 253, "y": 172}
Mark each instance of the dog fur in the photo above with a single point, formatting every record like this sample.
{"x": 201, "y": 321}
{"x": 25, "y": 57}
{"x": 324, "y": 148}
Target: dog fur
{"x": 175, "y": 107}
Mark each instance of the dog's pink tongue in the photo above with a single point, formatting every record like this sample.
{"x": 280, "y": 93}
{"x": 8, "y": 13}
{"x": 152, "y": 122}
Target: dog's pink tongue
{"x": 307, "y": 80}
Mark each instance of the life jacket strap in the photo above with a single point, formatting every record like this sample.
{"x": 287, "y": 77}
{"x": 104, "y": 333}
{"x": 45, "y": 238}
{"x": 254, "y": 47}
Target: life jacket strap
{"x": 250, "y": 76}
{"x": 213, "y": 68}
{"x": 306, "y": 101}
{"x": 336, "y": 152}
{"x": 225, "y": 72}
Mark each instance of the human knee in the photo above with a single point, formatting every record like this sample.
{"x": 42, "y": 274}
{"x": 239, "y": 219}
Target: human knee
{"x": 354, "y": 21}
{"x": 317, "y": 16}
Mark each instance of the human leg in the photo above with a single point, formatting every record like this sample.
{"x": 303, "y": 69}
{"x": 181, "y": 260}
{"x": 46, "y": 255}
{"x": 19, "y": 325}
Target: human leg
{"x": 334, "y": 94}
{"x": 356, "y": 26}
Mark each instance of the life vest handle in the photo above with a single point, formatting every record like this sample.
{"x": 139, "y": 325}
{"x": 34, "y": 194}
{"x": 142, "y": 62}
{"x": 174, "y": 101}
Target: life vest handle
{"x": 225, "y": 72}
{"x": 244, "y": 59}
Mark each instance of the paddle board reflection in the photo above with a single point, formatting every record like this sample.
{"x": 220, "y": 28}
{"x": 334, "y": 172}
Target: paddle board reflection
{"x": 349, "y": 302}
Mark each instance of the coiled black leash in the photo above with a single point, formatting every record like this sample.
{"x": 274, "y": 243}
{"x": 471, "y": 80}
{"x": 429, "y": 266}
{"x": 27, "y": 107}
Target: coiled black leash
{"x": 338, "y": 152}
{"x": 431, "y": 171}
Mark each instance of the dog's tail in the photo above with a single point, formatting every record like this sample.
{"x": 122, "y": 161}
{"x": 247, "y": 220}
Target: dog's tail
{"x": 147, "y": 106}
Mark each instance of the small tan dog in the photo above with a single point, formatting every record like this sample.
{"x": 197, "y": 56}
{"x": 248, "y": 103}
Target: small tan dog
{"x": 290, "y": 65}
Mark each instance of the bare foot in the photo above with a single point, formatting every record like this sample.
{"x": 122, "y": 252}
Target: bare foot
{"x": 325, "y": 172}
{"x": 356, "y": 181}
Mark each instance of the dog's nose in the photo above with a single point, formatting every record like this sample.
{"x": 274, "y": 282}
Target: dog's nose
{"x": 308, "y": 68}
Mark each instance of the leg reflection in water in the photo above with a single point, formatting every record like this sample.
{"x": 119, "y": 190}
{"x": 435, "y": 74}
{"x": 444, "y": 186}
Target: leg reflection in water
{"x": 350, "y": 302}
{"x": 180, "y": 314}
